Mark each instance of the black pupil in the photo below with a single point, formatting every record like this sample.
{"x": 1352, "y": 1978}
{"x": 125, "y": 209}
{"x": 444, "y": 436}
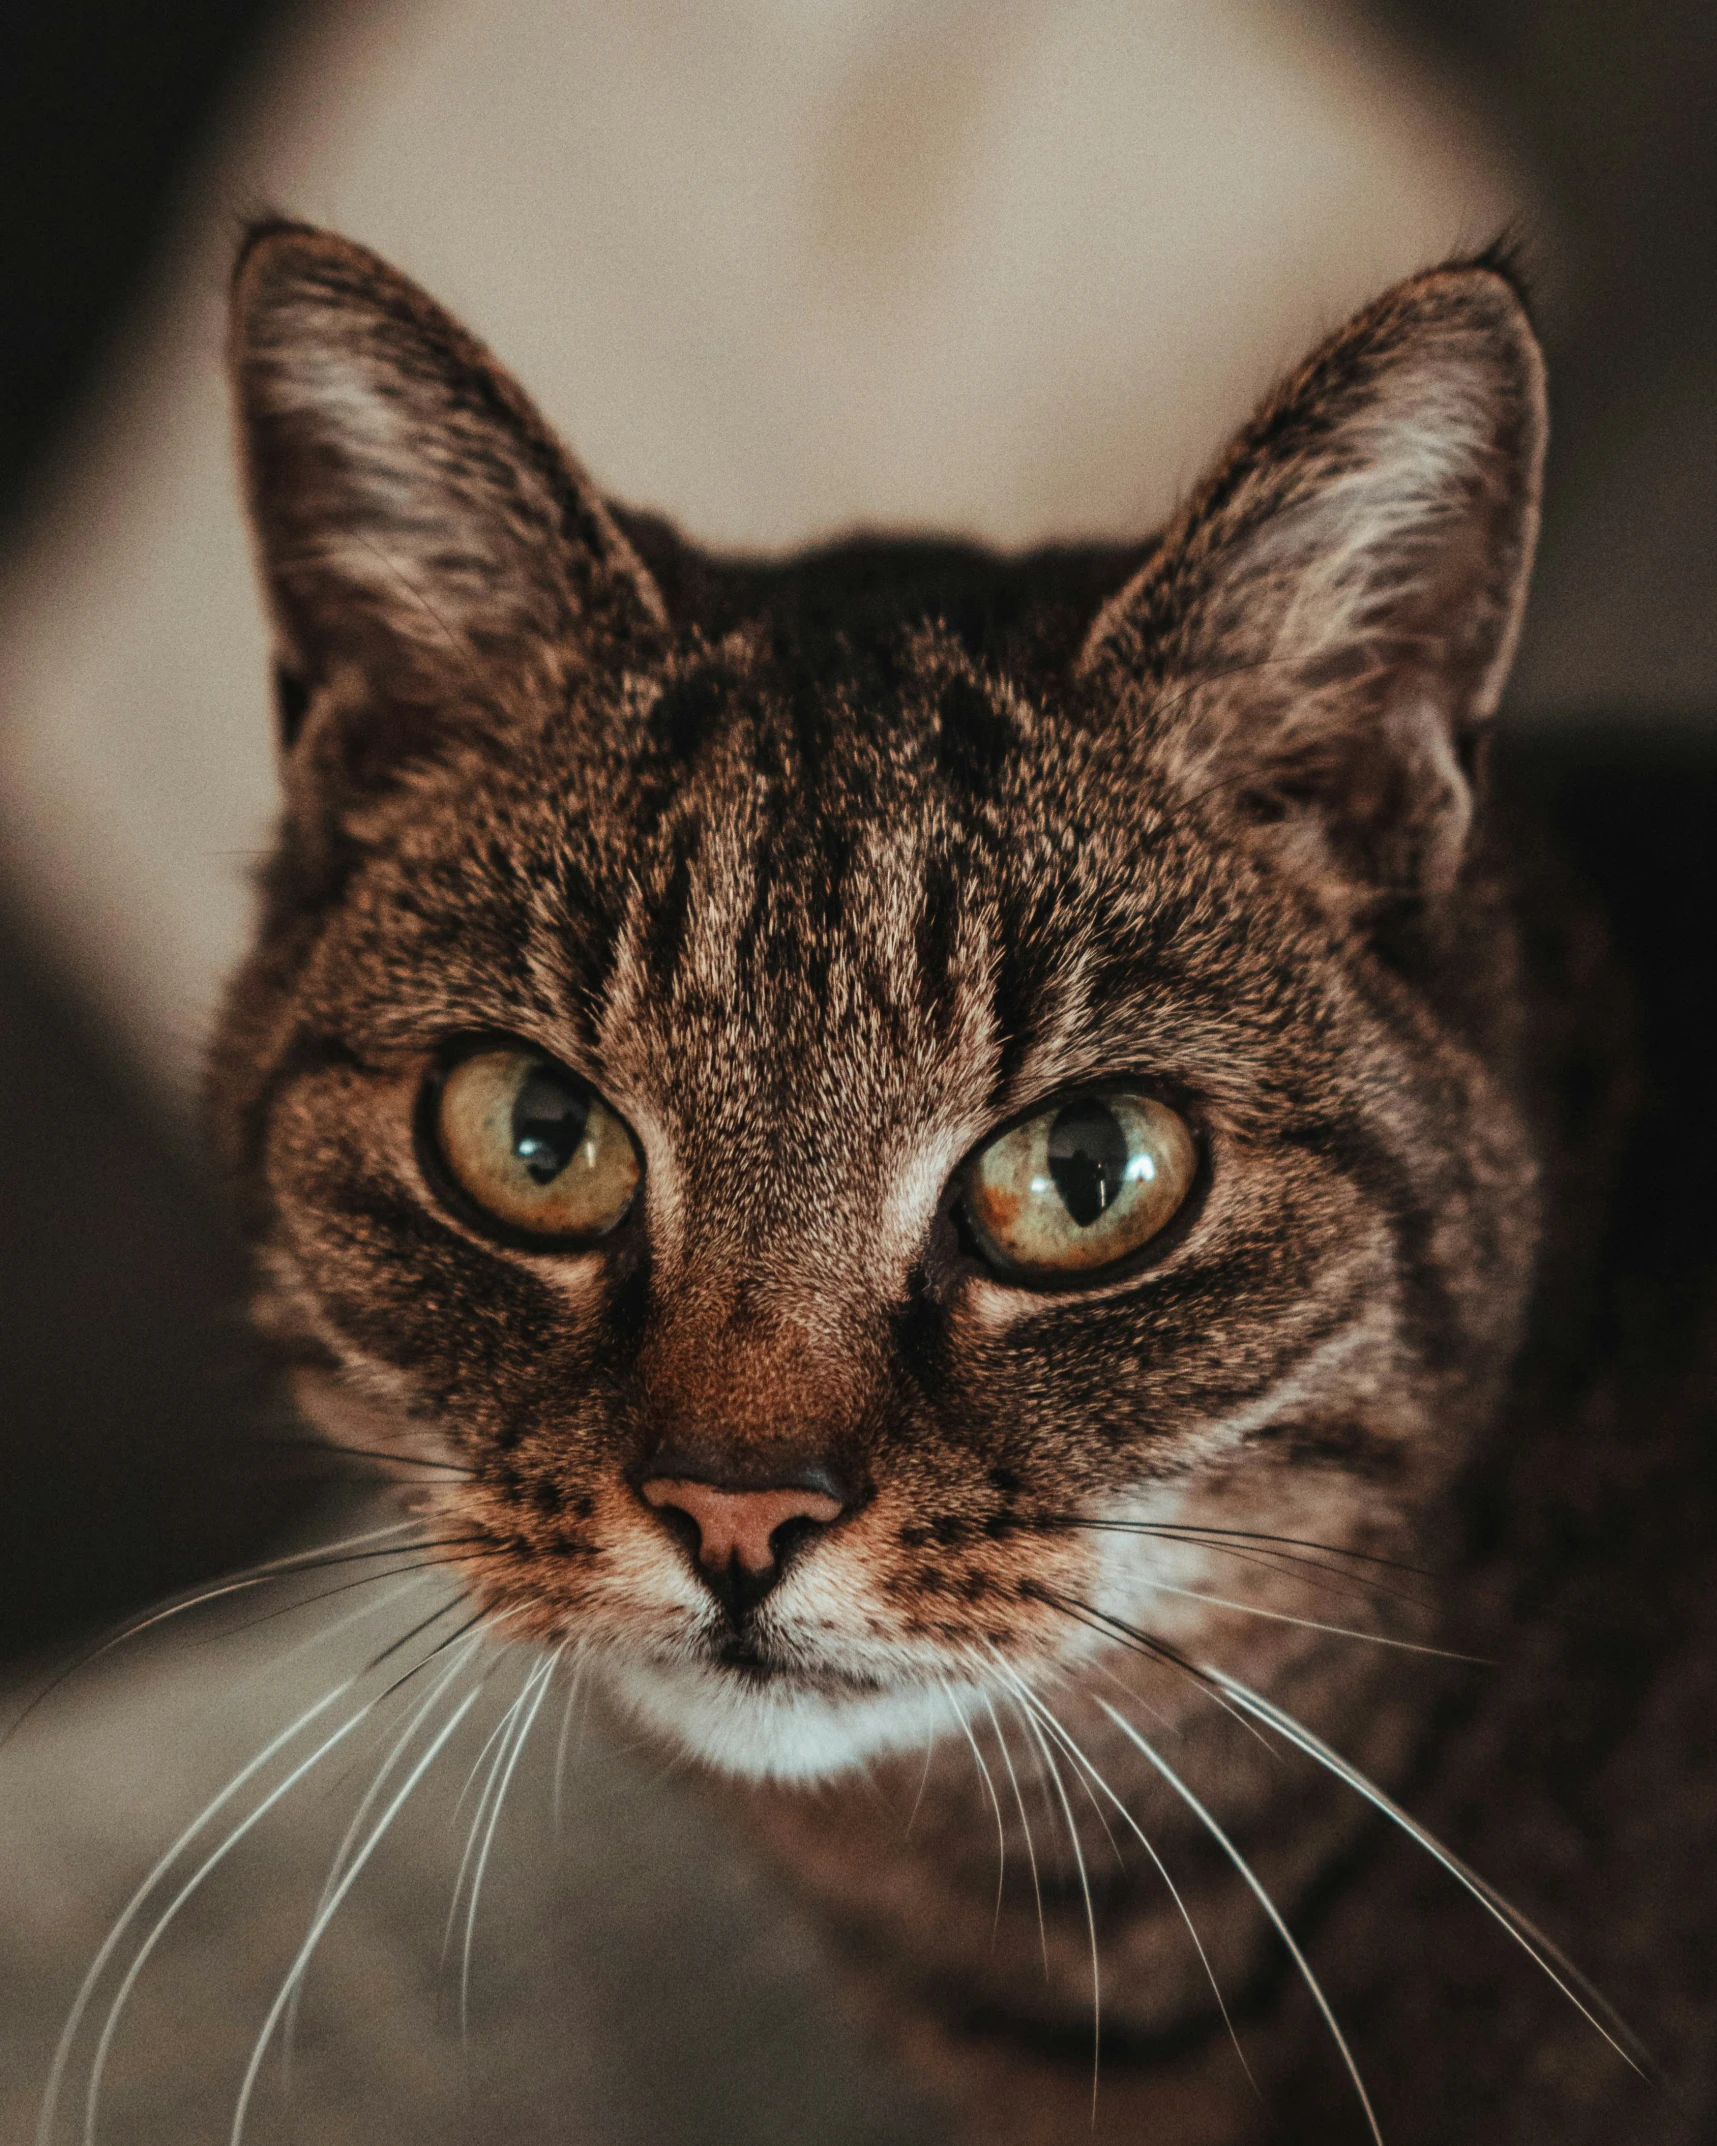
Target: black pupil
{"x": 1087, "y": 1158}
{"x": 549, "y": 1117}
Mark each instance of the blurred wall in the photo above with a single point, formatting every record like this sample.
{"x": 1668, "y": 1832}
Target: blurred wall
{"x": 1011, "y": 267}
{"x": 776, "y": 266}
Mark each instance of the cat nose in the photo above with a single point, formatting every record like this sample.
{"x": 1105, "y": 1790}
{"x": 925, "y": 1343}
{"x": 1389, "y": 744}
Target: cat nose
{"x": 736, "y": 1530}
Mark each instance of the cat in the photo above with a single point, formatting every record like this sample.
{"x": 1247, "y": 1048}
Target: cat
{"x": 974, "y": 1179}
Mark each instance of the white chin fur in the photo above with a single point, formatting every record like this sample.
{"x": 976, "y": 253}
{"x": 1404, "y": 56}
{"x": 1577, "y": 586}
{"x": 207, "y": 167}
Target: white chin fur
{"x": 775, "y": 1733}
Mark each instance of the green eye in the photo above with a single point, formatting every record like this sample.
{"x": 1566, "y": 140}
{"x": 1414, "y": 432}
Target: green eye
{"x": 534, "y": 1147}
{"x": 1081, "y": 1186}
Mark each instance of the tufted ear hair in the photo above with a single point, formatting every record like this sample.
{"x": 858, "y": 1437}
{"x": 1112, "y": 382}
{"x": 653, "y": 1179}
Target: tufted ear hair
{"x": 424, "y": 539}
{"x": 1324, "y": 631}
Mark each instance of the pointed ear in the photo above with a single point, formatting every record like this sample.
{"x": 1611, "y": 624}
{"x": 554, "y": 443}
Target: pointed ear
{"x": 1325, "y": 630}
{"x": 423, "y": 537}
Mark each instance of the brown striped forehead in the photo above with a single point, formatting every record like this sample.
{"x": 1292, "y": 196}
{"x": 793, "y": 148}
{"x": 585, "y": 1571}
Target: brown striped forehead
{"x": 793, "y": 920}
{"x": 802, "y": 987}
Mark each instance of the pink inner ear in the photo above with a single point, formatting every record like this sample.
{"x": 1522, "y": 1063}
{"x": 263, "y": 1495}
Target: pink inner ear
{"x": 415, "y": 515}
{"x": 1381, "y": 504}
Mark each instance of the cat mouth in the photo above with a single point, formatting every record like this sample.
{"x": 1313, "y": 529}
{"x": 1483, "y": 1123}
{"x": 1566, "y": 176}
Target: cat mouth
{"x": 741, "y": 1654}
{"x": 748, "y": 1660}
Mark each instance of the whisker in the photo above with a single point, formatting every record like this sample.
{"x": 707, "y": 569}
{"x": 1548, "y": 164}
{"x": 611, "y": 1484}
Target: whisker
{"x": 1073, "y": 1842}
{"x": 496, "y": 1742}
{"x": 128, "y": 1915}
{"x": 574, "y": 1691}
{"x": 1585, "y": 1997}
{"x": 1080, "y": 1758}
{"x": 489, "y": 1742}
{"x": 1305, "y": 1570}
{"x": 995, "y": 1805}
{"x": 248, "y": 1577}
{"x": 1213, "y": 1535}
{"x": 1313, "y": 1624}
{"x": 1330, "y": 1580}
{"x": 329, "y": 1445}
{"x": 1025, "y": 1828}
{"x": 327, "y": 1594}
{"x": 477, "y": 1539}
{"x": 492, "y": 1620}
{"x": 140, "y": 1959}
{"x": 396, "y": 1646}
{"x": 1046, "y": 1795}
{"x": 1116, "y": 1629}
{"x": 366, "y": 1804}
{"x": 1052, "y": 1721}
{"x": 133, "y": 1907}
{"x": 544, "y": 1677}
{"x": 1256, "y": 1887}
{"x": 313, "y": 1938}
{"x": 923, "y": 1782}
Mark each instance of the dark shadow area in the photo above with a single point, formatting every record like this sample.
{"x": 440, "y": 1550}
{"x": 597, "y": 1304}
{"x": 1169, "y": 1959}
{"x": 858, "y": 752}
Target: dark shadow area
{"x": 101, "y": 104}
{"x": 1614, "y": 109}
{"x": 126, "y": 1377}
{"x": 129, "y": 1386}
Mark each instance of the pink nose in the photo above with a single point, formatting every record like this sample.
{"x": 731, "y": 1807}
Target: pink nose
{"x": 738, "y": 1524}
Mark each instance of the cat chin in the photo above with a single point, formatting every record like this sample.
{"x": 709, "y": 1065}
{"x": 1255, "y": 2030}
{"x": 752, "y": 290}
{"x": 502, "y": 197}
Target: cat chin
{"x": 778, "y": 1731}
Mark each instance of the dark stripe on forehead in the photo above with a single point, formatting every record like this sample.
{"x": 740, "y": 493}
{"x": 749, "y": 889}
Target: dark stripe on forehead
{"x": 936, "y": 940}
{"x": 665, "y": 907}
{"x": 688, "y": 710}
{"x": 975, "y": 738}
{"x": 1024, "y": 997}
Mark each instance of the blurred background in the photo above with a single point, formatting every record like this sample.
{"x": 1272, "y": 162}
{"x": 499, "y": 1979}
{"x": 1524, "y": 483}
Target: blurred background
{"x": 776, "y": 267}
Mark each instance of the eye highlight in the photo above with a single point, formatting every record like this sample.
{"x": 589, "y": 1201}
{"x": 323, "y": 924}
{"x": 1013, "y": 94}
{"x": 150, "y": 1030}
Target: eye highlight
{"x": 1080, "y": 1186}
{"x": 531, "y": 1147}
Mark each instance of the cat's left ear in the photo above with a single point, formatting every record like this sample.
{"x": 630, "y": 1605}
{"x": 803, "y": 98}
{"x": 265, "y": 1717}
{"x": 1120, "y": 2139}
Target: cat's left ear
{"x": 424, "y": 538}
{"x": 1324, "y": 631}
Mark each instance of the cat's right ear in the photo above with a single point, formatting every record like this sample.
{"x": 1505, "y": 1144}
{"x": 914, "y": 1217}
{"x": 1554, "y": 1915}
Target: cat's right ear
{"x": 426, "y": 542}
{"x": 1321, "y": 636}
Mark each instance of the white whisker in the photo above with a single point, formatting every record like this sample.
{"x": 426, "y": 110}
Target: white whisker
{"x": 574, "y": 1691}
{"x": 923, "y": 1780}
{"x": 128, "y": 1982}
{"x": 995, "y": 1805}
{"x": 313, "y": 1938}
{"x": 1270, "y": 1908}
{"x": 489, "y": 1742}
{"x": 1310, "y": 1624}
{"x": 1331, "y": 1580}
{"x": 1027, "y": 1715}
{"x": 134, "y": 1906}
{"x": 191, "y": 1885}
{"x": 1081, "y": 1758}
{"x": 1025, "y": 1828}
{"x": 496, "y": 1742}
{"x": 251, "y": 1577}
{"x": 542, "y": 1677}
{"x": 1121, "y": 1634}
{"x": 366, "y": 1803}
{"x": 1545, "y": 1954}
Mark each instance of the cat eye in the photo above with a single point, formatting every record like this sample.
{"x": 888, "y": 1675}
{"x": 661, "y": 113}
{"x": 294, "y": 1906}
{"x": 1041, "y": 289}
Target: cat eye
{"x": 1081, "y": 1186}
{"x": 530, "y": 1146}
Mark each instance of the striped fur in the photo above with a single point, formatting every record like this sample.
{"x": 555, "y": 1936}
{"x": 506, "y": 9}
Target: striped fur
{"x": 820, "y": 871}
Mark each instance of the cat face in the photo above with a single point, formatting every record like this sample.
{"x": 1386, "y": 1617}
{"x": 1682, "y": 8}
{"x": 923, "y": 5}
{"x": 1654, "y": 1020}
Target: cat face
{"x": 873, "y": 1108}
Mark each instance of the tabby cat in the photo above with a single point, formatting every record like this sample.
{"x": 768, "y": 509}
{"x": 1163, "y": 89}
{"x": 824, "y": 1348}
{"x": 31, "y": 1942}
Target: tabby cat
{"x": 971, "y": 1177}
